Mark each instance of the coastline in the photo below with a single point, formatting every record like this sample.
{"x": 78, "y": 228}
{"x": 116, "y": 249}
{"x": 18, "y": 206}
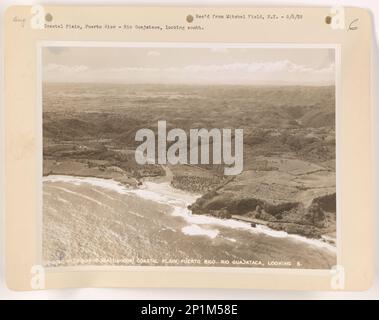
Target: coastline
{"x": 160, "y": 190}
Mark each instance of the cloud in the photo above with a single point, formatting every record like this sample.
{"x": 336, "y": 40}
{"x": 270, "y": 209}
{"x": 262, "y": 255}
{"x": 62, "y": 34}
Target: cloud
{"x": 57, "y": 50}
{"x": 254, "y": 67}
{"x": 59, "y": 68}
{"x": 63, "y": 73}
{"x": 282, "y": 71}
{"x": 153, "y": 54}
{"x": 258, "y": 67}
{"x": 219, "y": 50}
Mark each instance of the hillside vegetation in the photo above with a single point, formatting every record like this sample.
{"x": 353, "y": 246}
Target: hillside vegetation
{"x": 288, "y": 180}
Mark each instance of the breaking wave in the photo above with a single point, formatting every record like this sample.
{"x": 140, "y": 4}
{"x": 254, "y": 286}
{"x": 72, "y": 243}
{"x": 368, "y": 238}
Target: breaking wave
{"x": 179, "y": 200}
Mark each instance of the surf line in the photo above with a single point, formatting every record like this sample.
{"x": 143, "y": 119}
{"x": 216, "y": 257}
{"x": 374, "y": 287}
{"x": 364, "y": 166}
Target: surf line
{"x": 154, "y": 192}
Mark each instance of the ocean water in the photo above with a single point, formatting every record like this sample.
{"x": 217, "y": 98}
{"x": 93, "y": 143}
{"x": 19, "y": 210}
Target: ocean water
{"x": 92, "y": 221}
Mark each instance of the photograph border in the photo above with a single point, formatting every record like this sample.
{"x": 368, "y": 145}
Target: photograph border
{"x": 226, "y": 45}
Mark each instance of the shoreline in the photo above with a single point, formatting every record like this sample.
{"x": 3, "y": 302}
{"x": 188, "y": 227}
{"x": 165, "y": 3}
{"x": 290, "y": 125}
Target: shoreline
{"x": 152, "y": 190}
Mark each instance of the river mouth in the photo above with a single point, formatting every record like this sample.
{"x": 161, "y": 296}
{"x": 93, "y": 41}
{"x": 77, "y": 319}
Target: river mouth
{"x": 93, "y": 221}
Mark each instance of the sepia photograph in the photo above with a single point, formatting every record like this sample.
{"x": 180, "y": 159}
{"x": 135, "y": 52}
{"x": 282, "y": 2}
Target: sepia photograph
{"x": 189, "y": 155}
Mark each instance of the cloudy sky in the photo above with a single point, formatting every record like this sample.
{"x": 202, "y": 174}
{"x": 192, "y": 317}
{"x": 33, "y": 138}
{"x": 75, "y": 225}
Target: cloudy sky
{"x": 276, "y": 66}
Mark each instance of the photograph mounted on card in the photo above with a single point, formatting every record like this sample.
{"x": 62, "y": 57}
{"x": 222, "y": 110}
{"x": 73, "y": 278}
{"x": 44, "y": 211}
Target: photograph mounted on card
{"x": 188, "y": 147}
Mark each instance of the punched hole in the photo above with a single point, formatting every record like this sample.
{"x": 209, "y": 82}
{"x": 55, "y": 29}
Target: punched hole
{"x": 48, "y": 17}
{"x": 189, "y": 18}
